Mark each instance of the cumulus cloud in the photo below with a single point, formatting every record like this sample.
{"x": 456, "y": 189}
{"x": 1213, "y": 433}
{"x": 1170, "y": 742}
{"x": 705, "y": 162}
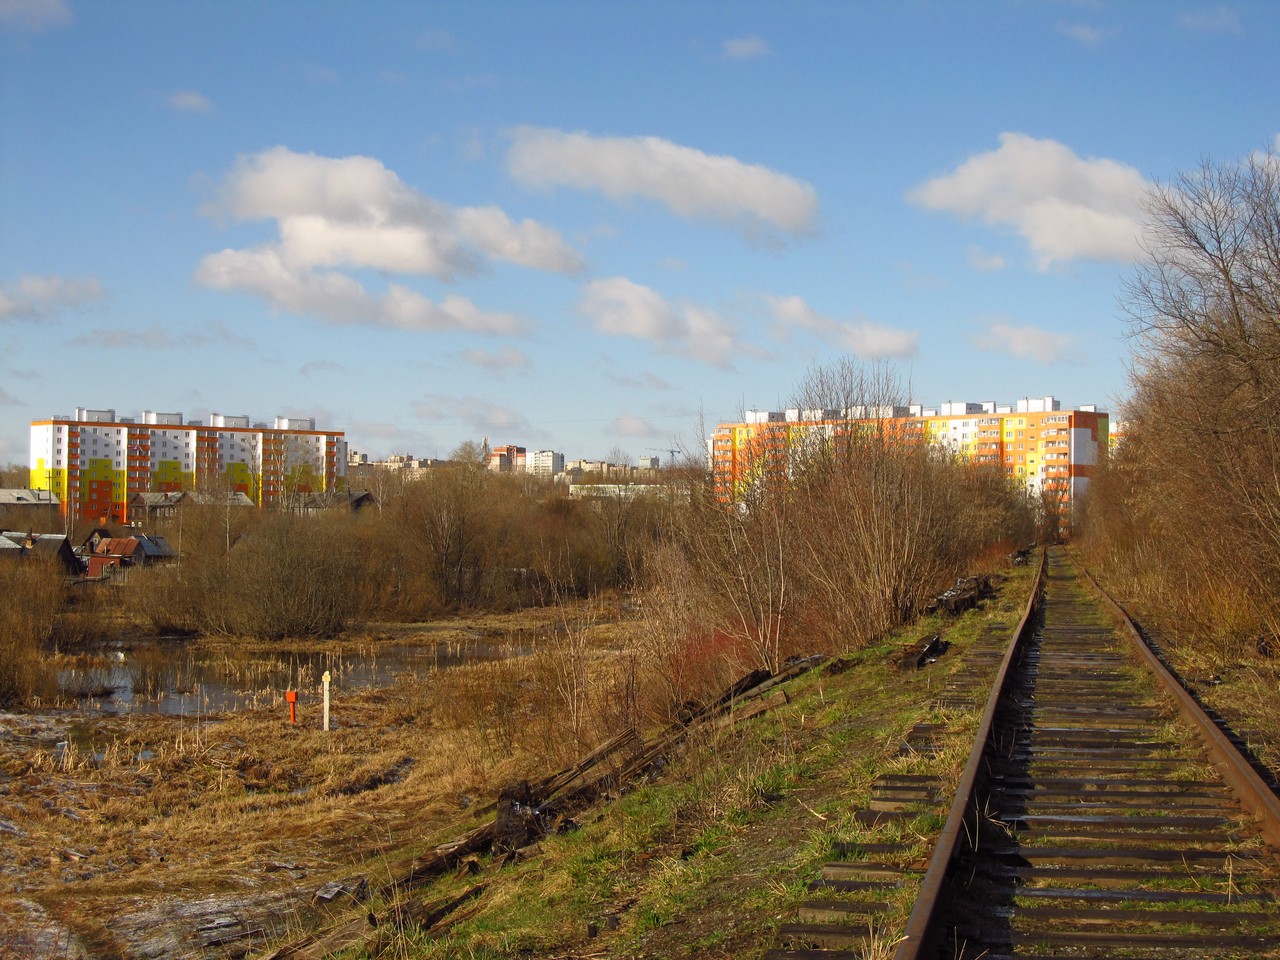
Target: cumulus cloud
{"x": 1027, "y": 342}
{"x": 1084, "y": 34}
{"x": 497, "y": 361}
{"x": 861, "y": 337}
{"x": 744, "y": 48}
{"x": 159, "y": 337}
{"x": 629, "y": 425}
{"x": 481, "y": 415}
{"x": 340, "y": 300}
{"x": 190, "y": 101}
{"x": 646, "y": 380}
{"x": 623, "y": 308}
{"x": 1218, "y": 19}
{"x": 688, "y": 182}
{"x": 320, "y": 366}
{"x": 353, "y": 213}
{"x": 979, "y": 259}
{"x": 34, "y": 15}
{"x": 42, "y": 298}
{"x": 1066, "y": 207}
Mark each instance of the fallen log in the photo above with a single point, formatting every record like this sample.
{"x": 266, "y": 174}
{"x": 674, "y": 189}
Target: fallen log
{"x": 429, "y": 914}
{"x": 753, "y": 708}
{"x": 444, "y": 857}
{"x": 358, "y": 932}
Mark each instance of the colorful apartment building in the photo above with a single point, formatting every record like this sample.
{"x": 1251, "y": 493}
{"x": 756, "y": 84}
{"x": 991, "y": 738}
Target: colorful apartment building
{"x": 93, "y": 462}
{"x": 508, "y": 459}
{"x": 1051, "y": 451}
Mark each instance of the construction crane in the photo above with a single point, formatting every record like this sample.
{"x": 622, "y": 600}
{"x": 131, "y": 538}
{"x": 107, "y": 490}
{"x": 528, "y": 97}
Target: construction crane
{"x": 671, "y": 454}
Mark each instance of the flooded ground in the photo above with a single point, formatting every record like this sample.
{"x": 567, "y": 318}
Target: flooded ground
{"x": 180, "y": 678}
{"x": 175, "y": 793}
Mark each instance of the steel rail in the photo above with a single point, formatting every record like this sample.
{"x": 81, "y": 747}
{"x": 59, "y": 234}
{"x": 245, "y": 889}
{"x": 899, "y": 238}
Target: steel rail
{"x": 922, "y": 934}
{"x": 1250, "y": 789}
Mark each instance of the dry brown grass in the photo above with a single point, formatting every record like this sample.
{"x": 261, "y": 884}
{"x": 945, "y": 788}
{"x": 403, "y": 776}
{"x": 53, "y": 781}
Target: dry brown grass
{"x": 144, "y": 805}
{"x": 33, "y": 594}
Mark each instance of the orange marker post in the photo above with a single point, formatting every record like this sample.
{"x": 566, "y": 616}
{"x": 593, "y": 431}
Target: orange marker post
{"x": 291, "y": 698}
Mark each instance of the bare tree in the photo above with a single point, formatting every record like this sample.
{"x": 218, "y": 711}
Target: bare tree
{"x": 1202, "y": 458}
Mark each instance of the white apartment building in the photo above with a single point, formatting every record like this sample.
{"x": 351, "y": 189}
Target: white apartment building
{"x": 545, "y": 463}
{"x": 94, "y": 461}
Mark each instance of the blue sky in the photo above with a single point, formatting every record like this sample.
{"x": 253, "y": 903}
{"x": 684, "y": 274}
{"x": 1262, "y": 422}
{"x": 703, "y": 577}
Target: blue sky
{"x": 576, "y": 225}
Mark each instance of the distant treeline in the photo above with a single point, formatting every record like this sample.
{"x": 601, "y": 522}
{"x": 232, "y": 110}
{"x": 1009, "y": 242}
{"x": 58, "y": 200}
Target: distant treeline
{"x": 852, "y": 542}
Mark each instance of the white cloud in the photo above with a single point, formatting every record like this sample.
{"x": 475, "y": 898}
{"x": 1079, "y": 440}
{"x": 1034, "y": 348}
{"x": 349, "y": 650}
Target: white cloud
{"x": 353, "y": 213}
{"x": 437, "y": 41}
{"x": 34, "y": 15}
{"x": 1084, "y": 34}
{"x": 471, "y": 144}
{"x": 745, "y": 48}
{"x": 321, "y": 76}
{"x": 497, "y": 361}
{"x": 339, "y": 300}
{"x": 862, "y": 337}
{"x": 629, "y": 425}
{"x": 481, "y": 414}
{"x": 42, "y": 298}
{"x": 979, "y": 259}
{"x": 190, "y": 101}
{"x": 1028, "y": 343}
{"x": 620, "y": 307}
{"x": 688, "y": 182}
{"x": 1065, "y": 207}
{"x": 528, "y": 243}
{"x": 1211, "y": 20}
{"x": 647, "y": 380}
{"x": 320, "y": 366}
{"x": 160, "y": 338}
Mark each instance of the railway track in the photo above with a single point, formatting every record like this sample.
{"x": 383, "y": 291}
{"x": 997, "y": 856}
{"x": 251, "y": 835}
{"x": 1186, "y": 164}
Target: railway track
{"x": 1101, "y": 814}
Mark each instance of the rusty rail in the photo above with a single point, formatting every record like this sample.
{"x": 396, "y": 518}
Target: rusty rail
{"x": 1080, "y": 799}
{"x": 922, "y": 933}
{"x": 1250, "y": 789}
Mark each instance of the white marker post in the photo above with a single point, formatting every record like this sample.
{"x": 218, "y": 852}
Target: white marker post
{"x": 325, "y": 678}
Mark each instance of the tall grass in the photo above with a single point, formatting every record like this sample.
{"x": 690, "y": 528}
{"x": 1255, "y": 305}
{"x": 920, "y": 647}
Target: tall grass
{"x": 33, "y": 595}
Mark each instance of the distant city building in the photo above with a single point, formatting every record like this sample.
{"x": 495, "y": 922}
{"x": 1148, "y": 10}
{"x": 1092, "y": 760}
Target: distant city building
{"x": 1050, "y": 452}
{"x": 648, "y": 463}
{"x": 546, "y": 463}
{"x": 508, "y": 459}
{"x": 400, "y": 463}
{"x": 627, "y": 491}
{"x": 93, "y": 462}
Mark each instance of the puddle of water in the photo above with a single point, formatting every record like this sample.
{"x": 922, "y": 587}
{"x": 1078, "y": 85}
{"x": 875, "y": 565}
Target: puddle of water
{"x": 175, "y": 679}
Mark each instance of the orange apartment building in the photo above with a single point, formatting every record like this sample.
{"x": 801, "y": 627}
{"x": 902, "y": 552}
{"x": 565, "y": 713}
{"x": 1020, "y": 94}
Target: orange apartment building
{"x": 94, "y": 462}
{"x": 1052, "y": 452}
